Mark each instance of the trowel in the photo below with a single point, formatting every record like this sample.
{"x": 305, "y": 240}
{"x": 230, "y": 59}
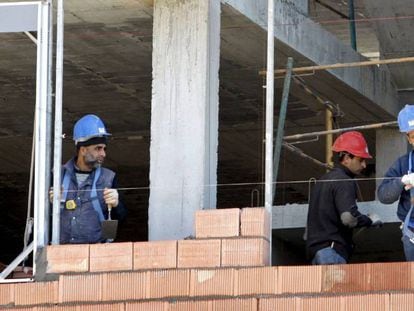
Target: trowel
{"x": 109, "y": 227}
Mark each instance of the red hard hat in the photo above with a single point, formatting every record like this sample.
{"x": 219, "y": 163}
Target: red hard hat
{"x": 352, "y": 142}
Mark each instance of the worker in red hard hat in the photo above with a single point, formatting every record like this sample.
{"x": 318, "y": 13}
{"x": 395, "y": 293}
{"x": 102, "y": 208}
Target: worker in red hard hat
{"x": 333, "y": 211}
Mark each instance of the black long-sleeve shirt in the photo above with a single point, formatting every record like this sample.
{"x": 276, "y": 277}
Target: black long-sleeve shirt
{"x": 330, "y": 203}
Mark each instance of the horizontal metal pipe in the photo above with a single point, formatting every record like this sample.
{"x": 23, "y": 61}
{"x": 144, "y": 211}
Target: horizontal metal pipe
{"x": 361, "y": 127}
{"x": 299, "y": 152}
{"x": 344, "y": 65}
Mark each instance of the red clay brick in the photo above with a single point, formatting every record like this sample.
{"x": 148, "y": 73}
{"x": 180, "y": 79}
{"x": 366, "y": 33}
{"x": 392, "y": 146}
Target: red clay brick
{"x": 155, "y": 255}
{"x": 214, "y": 282}
{"x": 401, "y": 301}
{"x": 390, "y": 276}
{"x": 102, "y": 307}
{"x": 168, "y": 283}
{"x": 147, "y": 306}
{"x": 85, "y": 307}
{"x": 198, "y": 253}
{"x": 80, "y": 288}
{"x": 244, "y": 252}
{"x": 255, "y": 281}
{"x": 217, "y": 223}
{"x": 299, "y": 279}
{"x": 255, "y": 222}
{"x": 345, "y": 278}
{"x": 320, "y": 303}
{"x": 110, "y": 257}
{"x": 279, "y": 304}
{"x": 369, "y": 302}
{"x": 68, "y": 258}
{"x": 35, "y": 293}
{"x": 235, "y": 304}
{"x": 196, "y": 305}
{"x": 60, "y": 307}
{"x": 124, "y": 286}
{"x": 6, "y": 294}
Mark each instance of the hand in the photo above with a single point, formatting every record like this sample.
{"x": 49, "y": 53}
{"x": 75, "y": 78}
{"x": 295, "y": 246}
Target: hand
{"x": 51, "y": 194}
{"x": 111, "y": 197}
{"x": 376, "y": 220}
{"x": 408, "y": 181}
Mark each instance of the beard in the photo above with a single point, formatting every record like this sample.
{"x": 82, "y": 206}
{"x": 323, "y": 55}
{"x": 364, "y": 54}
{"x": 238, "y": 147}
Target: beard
{"x": 92, "y": 162}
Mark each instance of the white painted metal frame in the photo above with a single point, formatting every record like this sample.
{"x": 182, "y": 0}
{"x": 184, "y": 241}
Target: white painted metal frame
{"x": 41, "y": 205}
{"x": 57, "y": 158}
{"x": 43, "y": 107}
{"x": 269, "y": 116}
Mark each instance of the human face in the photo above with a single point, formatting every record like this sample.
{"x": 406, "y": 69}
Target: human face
{"x": 93, "y": 156}
{"x": 355, "y": 164}
{"x": 410, "y": 138}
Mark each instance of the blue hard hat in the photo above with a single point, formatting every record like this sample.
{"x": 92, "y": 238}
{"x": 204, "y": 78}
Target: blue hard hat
{"x": 87, "y": 127}
{"x": 406, "y": 119}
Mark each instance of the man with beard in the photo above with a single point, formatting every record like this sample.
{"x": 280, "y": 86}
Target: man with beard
{"x": 88, "y": 189}
{"x": 333, "y": 211}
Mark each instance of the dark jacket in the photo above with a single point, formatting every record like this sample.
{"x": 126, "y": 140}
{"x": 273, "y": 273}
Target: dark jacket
{"x": 82, "y": 224}
{"x": 328, "y": 202}
{"x": 392, "y": 189}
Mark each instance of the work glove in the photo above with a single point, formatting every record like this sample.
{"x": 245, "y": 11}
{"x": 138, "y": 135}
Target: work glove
{"x": 408, "y": 180}
{"x": 111, "y": 197}
{"x": 376, "y": 220}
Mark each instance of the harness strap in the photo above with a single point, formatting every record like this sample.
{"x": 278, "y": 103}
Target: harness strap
{"x": 94, "y": 194}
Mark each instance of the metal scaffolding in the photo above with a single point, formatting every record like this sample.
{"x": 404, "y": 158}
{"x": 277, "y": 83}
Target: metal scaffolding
{"x": 36, "y": 17}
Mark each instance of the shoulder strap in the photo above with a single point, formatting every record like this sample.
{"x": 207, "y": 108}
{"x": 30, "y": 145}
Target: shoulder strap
{"x": 94, "y": 196}
{"x": 65, "y": 185}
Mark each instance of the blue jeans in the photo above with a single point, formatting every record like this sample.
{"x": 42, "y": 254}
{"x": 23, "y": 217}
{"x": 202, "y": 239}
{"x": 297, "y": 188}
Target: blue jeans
{"x": 408, "y": 248}
{"x": 328, "y": 256}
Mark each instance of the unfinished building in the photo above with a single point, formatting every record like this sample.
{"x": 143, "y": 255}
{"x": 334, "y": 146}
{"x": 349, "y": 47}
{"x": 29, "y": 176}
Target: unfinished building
{"x": 182, "y": 87}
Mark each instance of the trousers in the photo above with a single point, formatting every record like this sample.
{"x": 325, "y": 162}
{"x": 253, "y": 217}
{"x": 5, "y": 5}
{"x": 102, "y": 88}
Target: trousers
{"x": 328, "y": 256}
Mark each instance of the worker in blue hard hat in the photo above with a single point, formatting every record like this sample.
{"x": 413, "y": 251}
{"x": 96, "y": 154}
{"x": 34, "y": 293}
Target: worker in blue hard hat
{"x": 88, "y": 189}
{"x": 399, "y": 183}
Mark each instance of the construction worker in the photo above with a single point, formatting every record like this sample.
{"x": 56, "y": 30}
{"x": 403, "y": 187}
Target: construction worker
{"x": 333, "y": 212}
{"x": 88, "y": 189}
{"x": 399, "y": 183}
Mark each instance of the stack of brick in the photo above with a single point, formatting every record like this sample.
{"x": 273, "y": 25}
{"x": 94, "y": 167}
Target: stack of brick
{"x": 224, "y": 268}
{"x": 223, "y": 238}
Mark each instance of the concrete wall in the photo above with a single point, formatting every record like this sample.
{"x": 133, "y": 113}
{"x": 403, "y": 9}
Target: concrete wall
{"x": 295, "y": 215}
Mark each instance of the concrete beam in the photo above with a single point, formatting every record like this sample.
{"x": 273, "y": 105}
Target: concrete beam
{"x": 184, "y": 116}
{"x": 18, "y": 16}
{"x": 394, "y": 36}
{"x": 295, "y": 215}
{"x": 321, "y": 47}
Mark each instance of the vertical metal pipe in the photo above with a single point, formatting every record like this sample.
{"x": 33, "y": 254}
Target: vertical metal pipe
{"x": 40, "y": 191}
{"x": 57, "y": 159}
{"x": 49, "y": 108}
{"x": 329, "y": 138}
{"x": 352, "y": 29}
{"x": 281, "y": 123}
{"x": 269, "y": 115}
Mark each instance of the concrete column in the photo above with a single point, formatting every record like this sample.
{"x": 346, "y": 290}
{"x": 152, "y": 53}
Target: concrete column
{"x": 390, "y": 145}
{"x": 184, "y": 118}
{"x": 302, "y": 6}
